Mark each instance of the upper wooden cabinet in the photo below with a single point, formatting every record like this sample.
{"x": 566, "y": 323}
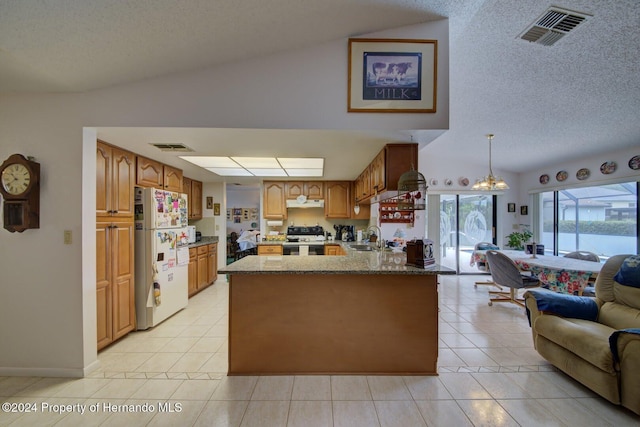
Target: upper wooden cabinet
{"x": 273, "y": 200}
{"x": 151, "y": 173}
{"x": 384, "y": 171}
{"x": 193, "y": 190}
{"x": 337, "y": 203}
{"x": 172, "y": 179}
{"x": 311, "y": 189}
{"x": 115, "y": 181}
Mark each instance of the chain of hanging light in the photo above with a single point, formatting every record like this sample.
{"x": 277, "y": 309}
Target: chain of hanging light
{"x": 490, "y": 182}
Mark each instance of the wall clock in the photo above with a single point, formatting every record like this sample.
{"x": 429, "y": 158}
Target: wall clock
{"x": 20, "y": 188}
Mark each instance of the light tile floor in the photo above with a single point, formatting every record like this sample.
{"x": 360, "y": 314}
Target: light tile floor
{"x": 174, "y": 375}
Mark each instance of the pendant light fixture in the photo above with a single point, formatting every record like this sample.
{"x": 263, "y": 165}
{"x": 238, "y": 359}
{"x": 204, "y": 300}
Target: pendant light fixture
{"x": 412, "y": 190}
{"x": 490, "y": 182}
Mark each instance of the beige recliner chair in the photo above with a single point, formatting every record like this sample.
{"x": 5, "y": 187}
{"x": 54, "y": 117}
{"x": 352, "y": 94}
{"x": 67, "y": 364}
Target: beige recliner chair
{"x": 595, "y": 340}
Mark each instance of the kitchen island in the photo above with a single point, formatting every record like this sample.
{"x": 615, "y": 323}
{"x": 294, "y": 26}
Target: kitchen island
{"x": 365, "y": 312}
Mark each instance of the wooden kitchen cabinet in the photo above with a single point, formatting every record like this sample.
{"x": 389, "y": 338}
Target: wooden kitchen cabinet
{"x": 384, "y": 171}
{"x": 212, "y": 263}
{"x": 314, "y": 190}
{"x": 115, "y": 181}
{"x": 293, "y": 189}
{"x": 171, "y": 178}
{"x": 377, "y": 173}
{"x": 273, "y": 200}
{"x": 193, "y": 190}
{"x": 338, "y": 199}
{"x": 202, "y": 274}
{"x": 363, "y": 185}
{"x": 193, "y": 271}
{"x": 203, "y": 267}
{"x": 333, "y": 250}
{"x": 151, "y": 173}
{"x": 269, "y": 249}
{"x": 115, "y": 288}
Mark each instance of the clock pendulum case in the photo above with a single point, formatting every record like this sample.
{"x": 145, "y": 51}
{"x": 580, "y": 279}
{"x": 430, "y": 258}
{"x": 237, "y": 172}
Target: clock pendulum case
{"x": 20, "y": 188}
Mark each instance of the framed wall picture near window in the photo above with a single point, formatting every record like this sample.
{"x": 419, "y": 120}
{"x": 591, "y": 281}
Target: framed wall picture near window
{"x": 511, "y": 207}
{"x": 392, "y": 75}
{"x": 524, "y": 210}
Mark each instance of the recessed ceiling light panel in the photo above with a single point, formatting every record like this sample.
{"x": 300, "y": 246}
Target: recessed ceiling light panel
{"x": 267, "y": 172}
{"x": 257, "y": 162}
{"x": 230, "y": 171}
{"x": 211, "y": 161}
{"x": 304, "y": 172}
{"x": 300, "y": 163}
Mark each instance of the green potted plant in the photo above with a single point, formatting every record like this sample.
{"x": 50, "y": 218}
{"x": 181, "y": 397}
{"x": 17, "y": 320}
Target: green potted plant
{"x": 517, "y": 239}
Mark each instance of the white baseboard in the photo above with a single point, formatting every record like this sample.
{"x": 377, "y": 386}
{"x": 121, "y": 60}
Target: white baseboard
{"x": 49, "y": 372}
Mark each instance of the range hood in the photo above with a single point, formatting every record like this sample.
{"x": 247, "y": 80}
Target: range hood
{"x": 305, "y": 204}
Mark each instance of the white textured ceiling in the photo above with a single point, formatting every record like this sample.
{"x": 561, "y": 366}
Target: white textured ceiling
{"x": 579, "y": 97}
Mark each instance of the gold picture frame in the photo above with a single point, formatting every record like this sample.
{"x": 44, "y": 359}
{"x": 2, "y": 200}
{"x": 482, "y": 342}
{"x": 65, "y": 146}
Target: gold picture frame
{"x": 392, "y": 76}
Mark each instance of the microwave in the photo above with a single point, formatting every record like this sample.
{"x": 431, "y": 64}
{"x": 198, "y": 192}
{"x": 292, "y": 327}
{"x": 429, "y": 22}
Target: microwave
{"x": 191, "y": 233}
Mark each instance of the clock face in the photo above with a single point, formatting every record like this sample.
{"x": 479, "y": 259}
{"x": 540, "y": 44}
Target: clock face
{"x": 16, "y": 179}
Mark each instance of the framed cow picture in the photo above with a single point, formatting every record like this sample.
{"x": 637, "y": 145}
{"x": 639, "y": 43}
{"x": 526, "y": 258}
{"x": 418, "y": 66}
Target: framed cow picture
{"x": 392, "y": 76}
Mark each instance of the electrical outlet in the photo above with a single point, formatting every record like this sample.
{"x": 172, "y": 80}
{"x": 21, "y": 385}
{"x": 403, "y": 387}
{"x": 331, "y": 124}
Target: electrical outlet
{"x": 67, "y": 237}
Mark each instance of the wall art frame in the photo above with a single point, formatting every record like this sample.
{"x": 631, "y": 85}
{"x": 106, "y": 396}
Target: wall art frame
{"x": 392, "y": 76}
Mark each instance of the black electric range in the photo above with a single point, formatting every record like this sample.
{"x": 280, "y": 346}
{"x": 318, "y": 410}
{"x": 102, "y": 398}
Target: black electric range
{"x": 304, "y": 240}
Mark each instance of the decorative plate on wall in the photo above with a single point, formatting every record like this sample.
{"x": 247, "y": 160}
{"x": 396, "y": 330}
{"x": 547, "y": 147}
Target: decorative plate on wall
{"x": 634, "y": 163}
{"x": 583, "y": 174}
{"x": 608, "y": 167}
{"x": 463, "y": 181}
{"x": 544, "y": 179}
{"x": 433, "y": 181}
{"x": 448, "y": 182}
{"x": 561, "y": 176}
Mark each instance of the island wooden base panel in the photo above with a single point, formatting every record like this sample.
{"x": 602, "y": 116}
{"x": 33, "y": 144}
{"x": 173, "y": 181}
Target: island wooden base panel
{"x": 333, "y": 324}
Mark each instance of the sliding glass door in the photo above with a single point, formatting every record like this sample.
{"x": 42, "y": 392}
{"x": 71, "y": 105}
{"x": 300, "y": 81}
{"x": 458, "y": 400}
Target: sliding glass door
{"x": 464, "y": 221}
{"x": 601, "y": 219}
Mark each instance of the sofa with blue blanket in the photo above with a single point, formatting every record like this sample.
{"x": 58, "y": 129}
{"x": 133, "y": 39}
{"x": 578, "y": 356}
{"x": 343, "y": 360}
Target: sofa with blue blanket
{"x": 595, "y": 340}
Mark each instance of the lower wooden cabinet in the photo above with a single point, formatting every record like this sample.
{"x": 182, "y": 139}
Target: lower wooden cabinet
{"x": 212, "y": 263}
{"x": 193, "y": 271}
{"x": 115, "y": 286}
{"x": 202, "y": 275}
{"x": 333, "y": 250}
{"x": 269, "y": 249}
{"x": 203, "y": 267}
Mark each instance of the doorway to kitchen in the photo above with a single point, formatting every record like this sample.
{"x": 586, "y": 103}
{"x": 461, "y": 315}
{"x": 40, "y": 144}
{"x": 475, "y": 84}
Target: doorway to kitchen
{"x": 464, "y": 221}
{"x": 243, "y": 219}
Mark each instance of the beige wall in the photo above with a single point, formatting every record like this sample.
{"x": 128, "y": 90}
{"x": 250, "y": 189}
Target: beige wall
{"x": 47, "y": 289}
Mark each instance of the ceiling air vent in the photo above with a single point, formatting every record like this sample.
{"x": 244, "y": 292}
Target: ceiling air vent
{"x": 552, "y": 25}
{"x": 172, "y": 147}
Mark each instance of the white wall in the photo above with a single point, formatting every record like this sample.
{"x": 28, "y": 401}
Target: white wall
{"x": 47, "y": 289}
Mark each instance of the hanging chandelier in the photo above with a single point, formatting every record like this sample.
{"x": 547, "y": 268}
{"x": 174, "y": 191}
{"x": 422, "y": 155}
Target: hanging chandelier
{"x": 490, "y": 182}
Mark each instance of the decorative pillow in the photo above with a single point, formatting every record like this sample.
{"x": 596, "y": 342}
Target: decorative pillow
{"x": 629, "y": 273}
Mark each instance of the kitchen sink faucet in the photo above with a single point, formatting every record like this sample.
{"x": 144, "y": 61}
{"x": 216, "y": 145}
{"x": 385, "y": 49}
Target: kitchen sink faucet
{"x": 380, "y": 242}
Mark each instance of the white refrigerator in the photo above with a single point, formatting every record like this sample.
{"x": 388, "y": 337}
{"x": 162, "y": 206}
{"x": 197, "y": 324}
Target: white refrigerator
{"x": 161, "y": 255}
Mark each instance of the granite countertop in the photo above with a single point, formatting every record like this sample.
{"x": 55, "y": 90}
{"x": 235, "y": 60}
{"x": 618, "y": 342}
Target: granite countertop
{"x": 354, "y": 262}
{"x": 205, "y": 241}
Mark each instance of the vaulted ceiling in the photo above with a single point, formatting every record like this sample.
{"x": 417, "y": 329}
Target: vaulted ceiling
{"x": 578, "y": 97}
